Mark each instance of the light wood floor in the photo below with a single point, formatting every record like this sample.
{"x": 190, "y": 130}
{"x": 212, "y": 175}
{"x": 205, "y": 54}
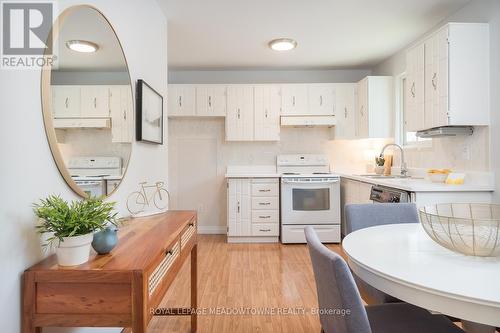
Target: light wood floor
{"x": 259, "y": 276}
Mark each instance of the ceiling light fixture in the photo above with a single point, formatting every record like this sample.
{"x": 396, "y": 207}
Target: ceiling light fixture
{"x": 82, "y": 46}
{"x": 282, "y": 44}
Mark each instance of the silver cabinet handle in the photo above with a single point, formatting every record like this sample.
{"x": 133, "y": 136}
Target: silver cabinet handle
{"x": 264, "y": 216}
{"x": 412, "y": 90}
{"x": 265, "y": 113}
{"x": 180, "y": 101}
{"x": 238, "y": 207}
{"x": 293, "y": 100}
{"x": 239, "y": 114}
{"x": 320, "y": 100}
{"x": 66, "y": 102}
{"x": 124, "y": 115}
{"x": 265, "y": 230}
{"x": 265, "y": 190}
{"x": 362, "y": 110}
{"x": 345, "y": 112}
{"x": 95, "y": 102}
{"x": 434, "y": 81}
{"x": 264, "y": 203}
{"x": 210, "y": 101}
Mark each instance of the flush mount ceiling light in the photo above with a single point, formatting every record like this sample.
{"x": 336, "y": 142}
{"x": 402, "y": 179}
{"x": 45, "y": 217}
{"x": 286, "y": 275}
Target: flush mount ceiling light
{"x": 82, "y": 46}
{"x": 282, "y": 44}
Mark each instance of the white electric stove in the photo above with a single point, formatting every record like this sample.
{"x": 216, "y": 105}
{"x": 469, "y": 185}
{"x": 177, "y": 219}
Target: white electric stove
{"x": 91, "y": 173}
{"x": 310, "y": 195}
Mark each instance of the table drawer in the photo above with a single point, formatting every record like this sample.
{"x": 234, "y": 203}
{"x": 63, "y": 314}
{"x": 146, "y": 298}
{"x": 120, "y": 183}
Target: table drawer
{"x": 155, "y": 278}
{"x": 265, "y": 190}
{"x": 265, "y": 229}
{"x": 265, "y": 203}
{"x": 265, "y": 216}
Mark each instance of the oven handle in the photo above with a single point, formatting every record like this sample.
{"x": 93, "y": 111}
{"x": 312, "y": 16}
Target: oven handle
{"x": 329, "y": 181}
{"x": 88, "y": 183}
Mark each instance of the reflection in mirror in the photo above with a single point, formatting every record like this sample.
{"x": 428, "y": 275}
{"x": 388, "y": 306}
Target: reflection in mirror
{"x": 88, "y": 106}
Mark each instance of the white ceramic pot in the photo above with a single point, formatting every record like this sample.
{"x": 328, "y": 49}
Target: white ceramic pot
{"x": 74, "y": 251}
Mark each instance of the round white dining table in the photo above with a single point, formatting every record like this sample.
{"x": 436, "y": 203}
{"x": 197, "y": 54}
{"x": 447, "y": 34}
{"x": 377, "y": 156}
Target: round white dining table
{"x": 403, "y": 261}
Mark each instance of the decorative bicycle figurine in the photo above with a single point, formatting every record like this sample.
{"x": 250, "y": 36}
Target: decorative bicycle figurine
{"x": 138, "y": 200}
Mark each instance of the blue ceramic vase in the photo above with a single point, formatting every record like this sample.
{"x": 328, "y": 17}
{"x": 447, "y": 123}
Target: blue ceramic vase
{"x": 105, "y": 240}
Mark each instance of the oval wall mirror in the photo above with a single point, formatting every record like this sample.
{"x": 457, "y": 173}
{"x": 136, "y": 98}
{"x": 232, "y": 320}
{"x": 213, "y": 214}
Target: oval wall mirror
{"x": 87, "y": 101}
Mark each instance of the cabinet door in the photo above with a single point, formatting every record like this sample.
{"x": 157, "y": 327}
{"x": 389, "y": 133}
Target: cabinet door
{"x": 321, "y": 100}
{"x": 181, "y": 100}
{"x": 362, "y": 125}
{"x": 414, "y": 89}
{"x": 294, "y": 100}
{"x": 120, "y": 99}
{"x": 345, "y": 100}
{"x": 66, "y": 101}
{"x": 240, "y": 113}
{"x": 239, "y": 211}
{"x": 267, "y": 113}
{"x": 211, "y": 100}
{"x": 95, "y": 102}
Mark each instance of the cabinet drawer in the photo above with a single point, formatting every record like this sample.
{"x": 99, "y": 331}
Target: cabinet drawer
{"x": 265, "y": 203}
{"x": 265, "y": 216}
{"x": 188, "y": 234}
{"x": 155, "y": 278}
{"x": 265, "y": 190}
{"x": 265, "y": 229}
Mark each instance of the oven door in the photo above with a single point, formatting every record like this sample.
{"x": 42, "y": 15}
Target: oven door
{"x": 310, "y": 201}
{"x": 93, "y": 188}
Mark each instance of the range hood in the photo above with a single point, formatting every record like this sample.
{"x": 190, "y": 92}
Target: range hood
{"x": 446, "y": 131}
{"x": 64, "y": 123}
{"x": 308, "y": 121}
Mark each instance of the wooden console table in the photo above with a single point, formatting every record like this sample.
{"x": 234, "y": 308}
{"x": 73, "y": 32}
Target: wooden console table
{"x": 120, "y": 289}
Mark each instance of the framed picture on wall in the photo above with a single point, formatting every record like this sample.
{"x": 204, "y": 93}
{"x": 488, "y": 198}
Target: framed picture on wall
{"x": 149, "y": 127}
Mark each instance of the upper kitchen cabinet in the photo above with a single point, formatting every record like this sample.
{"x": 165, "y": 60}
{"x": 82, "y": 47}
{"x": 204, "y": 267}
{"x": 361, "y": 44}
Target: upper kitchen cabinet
{"x": 66, "y": 101}
{"x": 211, "y": 100}
{"x": 375, "y": 106}
{"x": 414, "y": 90}
{"x": 455, "y": 72}
{"x": 321, "y": 99}
{"x": 345, "y": 101}
{"x": 121, "y": 114}
{"x": 95, "y": 101}
{"x": 240, "y": 113}
{"x": 294, "y": 100}
{"x": 267, "y": 105}
{"x": 181, "y": 100}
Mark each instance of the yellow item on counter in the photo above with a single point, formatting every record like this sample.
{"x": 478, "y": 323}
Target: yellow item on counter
{"x": 455, "y": 178}
{"x": 439, "y": 171}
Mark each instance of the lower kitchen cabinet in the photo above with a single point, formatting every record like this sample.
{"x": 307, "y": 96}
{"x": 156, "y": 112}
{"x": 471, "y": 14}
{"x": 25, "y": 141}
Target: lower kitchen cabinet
{"x": 252, "y": 209}
{"x": 353, "y": 192}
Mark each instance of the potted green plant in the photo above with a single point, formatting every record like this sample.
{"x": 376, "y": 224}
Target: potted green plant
{"x": 379, "y": 165}
{"x": 72, "y": 225}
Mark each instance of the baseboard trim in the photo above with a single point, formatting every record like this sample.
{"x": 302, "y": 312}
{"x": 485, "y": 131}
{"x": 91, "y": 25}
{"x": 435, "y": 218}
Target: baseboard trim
{"x": 211, "y": 230}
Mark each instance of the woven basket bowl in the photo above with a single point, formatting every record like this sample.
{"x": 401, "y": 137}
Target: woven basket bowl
{"x": 470, "y": 229}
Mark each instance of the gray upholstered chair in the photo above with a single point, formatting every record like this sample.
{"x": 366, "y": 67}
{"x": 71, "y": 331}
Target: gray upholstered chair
{"x": 337, "y": 291}
{"x": 360, "y": 216}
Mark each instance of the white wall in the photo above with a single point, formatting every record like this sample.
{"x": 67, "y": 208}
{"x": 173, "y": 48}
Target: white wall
{"x": 27, "y": 169}
{"x": 267, "y": 76}
{"x": 484, "y": 151}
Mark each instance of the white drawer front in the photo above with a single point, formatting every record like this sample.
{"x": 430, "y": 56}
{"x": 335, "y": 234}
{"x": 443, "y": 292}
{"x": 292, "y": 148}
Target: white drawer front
{"x": 265, "y": 229}
{"x": 265, "y": 216}
{"x": 161, "y": 270}
{"x": 265, "y": 203}
{"x": 295, "y": 234}
{"x": 265, "y": 190}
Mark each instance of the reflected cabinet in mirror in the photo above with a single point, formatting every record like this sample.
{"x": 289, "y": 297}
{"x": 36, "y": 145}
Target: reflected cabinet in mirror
{"x": 87, "y": 103}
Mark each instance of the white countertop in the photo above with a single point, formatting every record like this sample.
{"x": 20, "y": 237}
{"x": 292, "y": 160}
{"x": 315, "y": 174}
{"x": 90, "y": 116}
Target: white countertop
{"x": 421, "y": 185}
{"x": 402, "y": 260}
{"x": 252, "y": 175}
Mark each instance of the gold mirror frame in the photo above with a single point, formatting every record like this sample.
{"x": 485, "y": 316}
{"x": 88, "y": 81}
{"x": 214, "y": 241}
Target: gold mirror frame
{"x": 46, "y": 94}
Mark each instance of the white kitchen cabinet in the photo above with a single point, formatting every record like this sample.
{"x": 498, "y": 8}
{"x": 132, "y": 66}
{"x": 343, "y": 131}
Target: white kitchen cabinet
{"x": 181, "y": 100}
{"x": 321, "y": 99}
{"x": 375, "y": 107}
{"x": 211, "y": 100}
{"x": 267, "y": 104}
{"x": 95, "y": 101}
{"x": 66, "y": 101}
{"x": 240, "y": 113}
{"x": 239, "y": 207}
{"x": 253, "y": 209}
{"x": 294, "y": 100}
{"x": 448, "y": 78}
{"x": 414, "y": 90}
{"x": 345, "y": 101}
{"x": 120, "y": 104}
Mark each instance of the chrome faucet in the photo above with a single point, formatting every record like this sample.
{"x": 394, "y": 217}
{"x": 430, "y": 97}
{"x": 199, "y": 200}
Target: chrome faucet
{"x": 404, "y": 170}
